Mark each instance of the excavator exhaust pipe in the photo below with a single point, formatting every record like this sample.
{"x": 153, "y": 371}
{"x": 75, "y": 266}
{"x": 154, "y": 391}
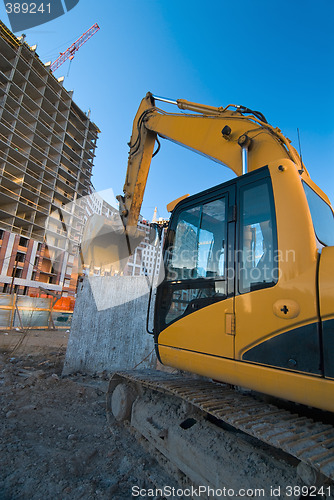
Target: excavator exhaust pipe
{"x": 245, "y": 143}
{"x": 244, "y": 161}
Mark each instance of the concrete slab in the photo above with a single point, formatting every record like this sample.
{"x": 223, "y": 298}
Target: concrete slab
{"x": 108, "y": 329}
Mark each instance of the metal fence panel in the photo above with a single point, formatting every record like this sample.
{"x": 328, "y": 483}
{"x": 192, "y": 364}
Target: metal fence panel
{"x": 6, "y": 300}
{"x": 5, "y": 318}
{"x": 31, "y": 319}
{"x": 33, "y": 302}
{"x": 62, "y": 319}
{"x": 21, "y": 311}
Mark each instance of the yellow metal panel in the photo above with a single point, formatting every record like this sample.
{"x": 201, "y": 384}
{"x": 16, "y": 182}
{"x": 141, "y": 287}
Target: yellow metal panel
{"x": 286, "y": 309}
{"x": 230, "y": 324}
{"x": 172, "y": 204}
{"x": 138, "y": 169}
{"x": 204, "y": 134}
{"x": 202, "y": 331}
{"x": 255, "y": 311}
{"x": 326, "y": 283}
{"x": 141, "y": 150}
{"x": 308, "y": 390}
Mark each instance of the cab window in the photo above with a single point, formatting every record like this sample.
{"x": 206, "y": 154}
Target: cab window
{"x": 322, "y": 217}
{"x": 198, "y": 250}
{"x": 258, "y": 266}
{"x": 195, "y": 261}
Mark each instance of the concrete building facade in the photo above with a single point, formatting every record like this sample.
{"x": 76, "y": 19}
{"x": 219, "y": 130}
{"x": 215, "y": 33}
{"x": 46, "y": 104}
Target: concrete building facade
{"x": 47, "y": 148}
{"x": 147, "y": 258}
{"x": 95, "y": 204}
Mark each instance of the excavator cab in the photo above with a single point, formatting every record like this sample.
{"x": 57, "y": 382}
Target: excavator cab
{"x": 202, "y": 248}
{"x": 241, "y": 300}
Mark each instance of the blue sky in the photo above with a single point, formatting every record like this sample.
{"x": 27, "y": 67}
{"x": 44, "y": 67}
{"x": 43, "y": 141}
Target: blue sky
{"x": 275, "y": 57}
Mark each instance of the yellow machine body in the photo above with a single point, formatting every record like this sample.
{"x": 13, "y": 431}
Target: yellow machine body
{"x": 203, "y": 342}
{"x": 218, "y": 312}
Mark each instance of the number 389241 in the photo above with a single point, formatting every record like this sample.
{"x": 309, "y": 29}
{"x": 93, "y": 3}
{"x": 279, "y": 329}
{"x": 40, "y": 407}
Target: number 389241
{"x": 28, "y": 8}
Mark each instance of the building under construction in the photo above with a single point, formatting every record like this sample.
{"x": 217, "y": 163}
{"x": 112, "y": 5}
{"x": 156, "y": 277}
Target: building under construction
{"x": 47, "y": 146}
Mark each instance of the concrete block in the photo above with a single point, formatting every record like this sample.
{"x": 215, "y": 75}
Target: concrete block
{"x": 108, "y": 329}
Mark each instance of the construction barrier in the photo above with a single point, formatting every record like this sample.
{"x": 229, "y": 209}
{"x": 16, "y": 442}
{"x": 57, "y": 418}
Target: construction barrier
{"x": 22, "y": 312}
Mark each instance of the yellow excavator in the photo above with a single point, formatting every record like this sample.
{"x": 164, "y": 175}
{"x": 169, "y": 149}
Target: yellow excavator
{"x": 246, "y": 300}
{"x": 247, "y": 297}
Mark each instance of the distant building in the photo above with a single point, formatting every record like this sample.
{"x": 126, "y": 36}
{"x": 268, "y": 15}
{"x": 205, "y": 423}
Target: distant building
{"x": 47, "y": 147}
{"x": 147, "y": 258}
{"x": 95, "y": 204}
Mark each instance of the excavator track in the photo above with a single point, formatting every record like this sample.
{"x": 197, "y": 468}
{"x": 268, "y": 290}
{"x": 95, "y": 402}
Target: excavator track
{"x": 309, "y": 441}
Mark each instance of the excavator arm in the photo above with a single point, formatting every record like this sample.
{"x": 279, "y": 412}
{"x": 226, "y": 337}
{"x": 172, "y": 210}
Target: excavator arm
{"x": 234, "y": 136}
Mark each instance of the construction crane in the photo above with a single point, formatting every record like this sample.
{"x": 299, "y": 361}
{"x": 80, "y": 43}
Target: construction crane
{"x": 70, "y": 52}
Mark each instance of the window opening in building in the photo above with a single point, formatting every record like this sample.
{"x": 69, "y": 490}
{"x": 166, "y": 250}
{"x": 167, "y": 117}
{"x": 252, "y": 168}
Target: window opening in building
{"x": 23, "y": 242}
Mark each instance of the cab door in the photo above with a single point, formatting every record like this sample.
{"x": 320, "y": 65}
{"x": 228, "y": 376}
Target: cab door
{"x": 195, "y": 302}
{"x": 326, "y": 303}
{"x": 276, "y": 296}
{"x": 323, "y": 223}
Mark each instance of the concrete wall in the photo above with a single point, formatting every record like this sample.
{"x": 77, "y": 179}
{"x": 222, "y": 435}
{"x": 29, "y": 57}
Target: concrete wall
{"x": 108, "y": 329}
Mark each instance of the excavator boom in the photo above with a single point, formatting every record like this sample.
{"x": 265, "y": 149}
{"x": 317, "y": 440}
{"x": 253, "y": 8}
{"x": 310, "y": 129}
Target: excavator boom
{"x": 234, "y": 136}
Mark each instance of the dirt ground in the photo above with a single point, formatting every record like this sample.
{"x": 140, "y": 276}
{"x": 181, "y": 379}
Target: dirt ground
{"x": 55, "y": 442}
